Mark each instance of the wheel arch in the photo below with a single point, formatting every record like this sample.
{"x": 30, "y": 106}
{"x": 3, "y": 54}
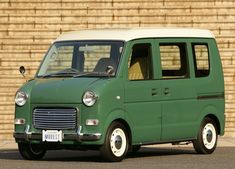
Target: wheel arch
{"x": 216, "y": 120}
{"x": 126, "y": 125}
{"x": 217, "y": 115}
{"x": 121, "y": 117}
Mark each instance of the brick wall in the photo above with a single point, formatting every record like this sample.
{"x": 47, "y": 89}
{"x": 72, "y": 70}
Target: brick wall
{"x": 27, "y": 28}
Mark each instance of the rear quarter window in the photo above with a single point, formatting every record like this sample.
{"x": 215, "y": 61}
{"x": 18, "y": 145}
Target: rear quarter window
{"x": 201, "y": 60}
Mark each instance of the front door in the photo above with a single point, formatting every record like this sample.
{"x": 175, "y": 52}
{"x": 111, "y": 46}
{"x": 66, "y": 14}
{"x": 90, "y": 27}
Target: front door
{"x": 141, "y": 93}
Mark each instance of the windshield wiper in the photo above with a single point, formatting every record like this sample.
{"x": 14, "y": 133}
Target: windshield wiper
{"x": 68, "y": 71}
{"x": 91, "y": 74}
{"x": 57, "y": 75}
{"x": 75, "y": 74}
{"x": 63, "y": 73}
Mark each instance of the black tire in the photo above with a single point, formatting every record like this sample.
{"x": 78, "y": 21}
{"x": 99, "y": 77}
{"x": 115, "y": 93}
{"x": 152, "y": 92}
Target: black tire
{"x": 206, "y": 141}
{"x": 31, "y": 151}
{"x": 116, "y": 143}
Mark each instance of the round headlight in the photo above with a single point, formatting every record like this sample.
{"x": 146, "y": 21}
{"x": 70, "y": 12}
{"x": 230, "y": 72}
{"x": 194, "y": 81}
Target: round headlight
{"x": 89, "y": 98}
{"x": 20, "y": 98}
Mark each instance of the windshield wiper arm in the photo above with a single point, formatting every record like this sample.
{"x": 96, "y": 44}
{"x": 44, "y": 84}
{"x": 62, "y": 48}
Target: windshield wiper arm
{"x": 91, "y": 74}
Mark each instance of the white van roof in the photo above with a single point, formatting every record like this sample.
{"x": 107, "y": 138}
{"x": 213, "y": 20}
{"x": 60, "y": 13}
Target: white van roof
{"x": 134, "y": 33}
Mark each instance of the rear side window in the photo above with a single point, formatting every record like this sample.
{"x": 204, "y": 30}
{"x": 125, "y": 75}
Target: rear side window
{"x": 201, "y": 60}
{"x": 173, "y": 60}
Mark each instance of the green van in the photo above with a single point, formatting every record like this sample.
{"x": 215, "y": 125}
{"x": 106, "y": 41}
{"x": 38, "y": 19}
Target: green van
{"x": 115, "y": 90}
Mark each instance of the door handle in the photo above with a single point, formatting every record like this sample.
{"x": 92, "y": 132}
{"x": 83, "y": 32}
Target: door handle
{"x": 154, "y": 92}
{"x": 166, "y": 91}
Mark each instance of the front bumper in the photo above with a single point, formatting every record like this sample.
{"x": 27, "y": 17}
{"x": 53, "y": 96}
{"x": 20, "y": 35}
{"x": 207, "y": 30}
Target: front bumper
{"x": 79, "y": 137}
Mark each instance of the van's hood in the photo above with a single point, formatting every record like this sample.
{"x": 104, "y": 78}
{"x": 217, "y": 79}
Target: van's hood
{"x": 60, "y": 90}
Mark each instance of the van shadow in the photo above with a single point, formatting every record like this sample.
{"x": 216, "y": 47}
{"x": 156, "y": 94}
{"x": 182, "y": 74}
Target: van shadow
{"x": 162, "y": 151}
{"x": 94, "y": 156}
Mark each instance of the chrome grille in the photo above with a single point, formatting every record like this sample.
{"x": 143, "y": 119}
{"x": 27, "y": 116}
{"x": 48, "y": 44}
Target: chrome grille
{"x": 54, "y": 118}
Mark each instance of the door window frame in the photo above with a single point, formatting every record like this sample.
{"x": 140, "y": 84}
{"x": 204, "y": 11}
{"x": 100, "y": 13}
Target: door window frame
{"x": 193, "y": 44}
{"x": 154, "y": 61}
{"x": 189, "y": 59}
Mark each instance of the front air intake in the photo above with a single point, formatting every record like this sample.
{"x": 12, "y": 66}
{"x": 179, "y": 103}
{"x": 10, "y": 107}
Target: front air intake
{"x": 55, "y": 118}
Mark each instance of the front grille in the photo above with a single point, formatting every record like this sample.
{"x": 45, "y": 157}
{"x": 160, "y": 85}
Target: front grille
{"x": 54, "y": 118}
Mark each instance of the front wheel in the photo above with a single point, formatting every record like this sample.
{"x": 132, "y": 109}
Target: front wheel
{"x": 31, "y": 151}
{"x": 207, "y": 137}
{"x": 116, "y": 143}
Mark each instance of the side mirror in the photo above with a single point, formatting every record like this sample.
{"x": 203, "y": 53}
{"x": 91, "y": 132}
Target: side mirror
{"x": 22, "y": 70}
{"x": 109, "y": 70}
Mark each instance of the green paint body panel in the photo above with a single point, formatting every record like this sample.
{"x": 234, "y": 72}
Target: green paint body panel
{"x": 151, "y": 118}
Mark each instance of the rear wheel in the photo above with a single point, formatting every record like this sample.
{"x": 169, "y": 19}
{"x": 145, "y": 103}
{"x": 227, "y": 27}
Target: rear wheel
{"x": 116, "y": 143}
{"x": 207, "y": 137}
{"x": 31, "y": 151}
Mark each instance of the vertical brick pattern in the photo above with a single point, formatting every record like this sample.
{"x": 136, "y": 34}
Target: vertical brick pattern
{"x": 27, "y": 28}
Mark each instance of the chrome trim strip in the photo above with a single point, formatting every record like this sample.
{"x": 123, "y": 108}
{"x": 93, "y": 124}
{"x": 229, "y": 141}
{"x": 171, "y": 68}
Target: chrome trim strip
{"x": 75, "y": 137}
{"x": 90, "y": 136}
{"x": 27, "y": 128}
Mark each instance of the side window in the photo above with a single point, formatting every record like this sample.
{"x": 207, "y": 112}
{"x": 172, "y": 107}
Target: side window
{"x": 174, "y": 60}
{"x": 140, "y": 63}
{"x": 201, "y": 60}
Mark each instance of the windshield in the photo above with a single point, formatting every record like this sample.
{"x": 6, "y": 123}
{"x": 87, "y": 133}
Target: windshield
{"x": 82, "y": 58}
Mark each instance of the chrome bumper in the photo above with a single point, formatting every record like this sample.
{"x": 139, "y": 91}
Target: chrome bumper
{"x": 27, "y": 136}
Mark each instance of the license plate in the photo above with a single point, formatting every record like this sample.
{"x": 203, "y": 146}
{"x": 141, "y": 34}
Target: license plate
{"x": 52, "y": 135}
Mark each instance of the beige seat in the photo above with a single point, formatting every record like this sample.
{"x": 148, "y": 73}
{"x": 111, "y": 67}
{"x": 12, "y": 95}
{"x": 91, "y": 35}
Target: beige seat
{"x": 138, "y": 69}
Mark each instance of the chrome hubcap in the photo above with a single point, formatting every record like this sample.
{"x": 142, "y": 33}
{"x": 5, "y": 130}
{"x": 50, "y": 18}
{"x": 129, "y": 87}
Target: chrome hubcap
{"x": 118, "y": 142}
{"x": 209, "y": 136}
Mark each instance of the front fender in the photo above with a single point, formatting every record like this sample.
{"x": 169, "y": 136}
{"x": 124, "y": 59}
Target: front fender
{"x": 118, "y": 114}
